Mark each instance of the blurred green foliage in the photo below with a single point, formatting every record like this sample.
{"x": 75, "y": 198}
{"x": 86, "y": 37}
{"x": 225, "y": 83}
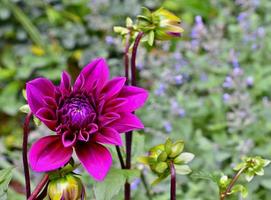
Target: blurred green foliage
{"x": 211, "y": 88}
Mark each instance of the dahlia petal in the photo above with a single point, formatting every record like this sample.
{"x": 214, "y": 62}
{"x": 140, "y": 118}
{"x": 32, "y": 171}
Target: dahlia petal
{"x": 127, "y": 122}
{"x": 83, "y": 136}
{"x": 96, "y": 71}
{"x": 79, "y": 83}
{"x": 65, "y": 84}
{"x": 92, "y": 128}
{"x": 48, "y": 117}
{"x": 108, "y": 136}
{"x": 114, "y": 105}
{"x": 135, "y": 97}
{"x": 36, "y": 90}
{"x": 68, "y": 139}
{"x": 108, "y": 118}
{"x": 95, "y": 158}
{"x": 48, "y": 153}
{"x": 113, "y": 87}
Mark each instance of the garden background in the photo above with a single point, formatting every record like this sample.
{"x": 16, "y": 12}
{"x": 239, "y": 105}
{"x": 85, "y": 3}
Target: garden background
{"x": 210, "y": 88}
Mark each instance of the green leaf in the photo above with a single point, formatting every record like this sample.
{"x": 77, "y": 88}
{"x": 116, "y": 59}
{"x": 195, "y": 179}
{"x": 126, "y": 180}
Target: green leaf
{"x": 240, "y": 188}
{"x": 159, "y": 179}
{"x": 206, "y": 175}
{"x": 184, "y": 158}
{"x": 25, "y": 109}
{"x": 182, "y": 169}
{"x": 113, "y": 183}
{"x": 108, "y": 188}
{"x": 151, "y": 38}
{"x": 5, "y": 178}
{"x": 26, "y": 22}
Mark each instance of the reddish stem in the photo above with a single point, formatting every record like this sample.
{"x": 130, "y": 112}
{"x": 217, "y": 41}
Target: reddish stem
{"x": 39, "y": 187}
{"x": 172, "y": 181}
{"x": 129, "y": 135}
{"x": 120, "y": 157}
{"x": 24, "y": 152}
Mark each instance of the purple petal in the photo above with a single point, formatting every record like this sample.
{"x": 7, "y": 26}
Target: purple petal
{"x": 65, "y": 84}
{"x": 68, "y": 139}
{"x": 127, "y": 122}
{"x": 96, "y": 73}
{"x": 135, "y": 97}
{"x": 48, "y": 153}
{"x": 108, "y": 118}
{"x": 108, "y": 136}
{"x": 48, "y": 117}
{"x": 113, "y": 87}
{"x": 36, "y": 90}
{"x": 95, "y": 158}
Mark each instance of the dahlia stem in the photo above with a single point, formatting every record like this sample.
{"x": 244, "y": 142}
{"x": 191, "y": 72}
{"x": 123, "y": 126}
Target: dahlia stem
{"x": 120, "y": 157}
{"x": 133, "y": 58}
{"x": 223, "y": 195}
{"x": 172, "y": 181}
{"x": 39, "y": 187}
{"x": 129, "y": 135}
{"x": 24, "y": 152}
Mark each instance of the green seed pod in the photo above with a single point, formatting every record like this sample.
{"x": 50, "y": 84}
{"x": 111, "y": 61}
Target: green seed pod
{"x": 162, "y": 157}
{"x": 168, "y": 146}
{"x": 68, "y": 187}
{"x": 161, "y": 167}
{"x": 176, "y": 149}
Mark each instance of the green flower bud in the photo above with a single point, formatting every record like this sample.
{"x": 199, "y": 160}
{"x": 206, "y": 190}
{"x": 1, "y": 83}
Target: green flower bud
{"x": 159, "y": 25}
{"x": 162, "y": 157}
{"x": 161, "y": 167}
{"x": 168, "y": 25}
{"x": 68, "y": 187}
{"x": 176, "y": 149}
{"x": 168, "y": 146}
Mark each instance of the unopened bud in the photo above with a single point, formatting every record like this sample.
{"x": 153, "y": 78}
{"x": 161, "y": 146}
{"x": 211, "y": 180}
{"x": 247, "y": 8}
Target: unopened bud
{"x": 177, "y": 148}
{"x": 69, "y": 187}
{"x": 161, "y": 167}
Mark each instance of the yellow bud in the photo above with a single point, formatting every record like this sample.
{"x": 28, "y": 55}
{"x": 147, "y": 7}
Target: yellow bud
{"x": 68, "y": 187}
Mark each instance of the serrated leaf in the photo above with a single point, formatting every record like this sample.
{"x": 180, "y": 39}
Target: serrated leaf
{"x": 113, "y": 183}
{"x": 5, "y": 178}
{"x": 182, "y": 169}
{"x": 207, "y": 176}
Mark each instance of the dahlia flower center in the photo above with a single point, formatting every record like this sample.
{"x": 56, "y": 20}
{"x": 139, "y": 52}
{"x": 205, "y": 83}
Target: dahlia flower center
{"x": 78, "y": 112}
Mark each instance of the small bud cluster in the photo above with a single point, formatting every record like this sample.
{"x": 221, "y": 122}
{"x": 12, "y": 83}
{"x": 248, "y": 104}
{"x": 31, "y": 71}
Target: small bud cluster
{"x": 250, "y": 166}
{"x": 158, "y": 25}
{"x": 162, "y": 155}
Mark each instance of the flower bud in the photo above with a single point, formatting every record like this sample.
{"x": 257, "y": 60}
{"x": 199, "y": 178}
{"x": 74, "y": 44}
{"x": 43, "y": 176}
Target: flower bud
{"x": 177, "y": 148}
{"x": 162, "y": 157}
{"x": 161, "y": 167}
{"x": 159, "y": 25}
{"x": 168, "y": 146}
{"x": 168, "y": 25}
{"x": 68, "y": 187}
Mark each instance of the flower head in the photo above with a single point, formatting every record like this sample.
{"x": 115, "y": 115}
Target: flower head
{"x": 92, "y": 112}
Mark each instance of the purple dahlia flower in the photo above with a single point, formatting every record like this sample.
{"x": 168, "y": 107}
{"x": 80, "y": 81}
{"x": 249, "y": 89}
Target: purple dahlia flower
{"x": 92, "y": 112}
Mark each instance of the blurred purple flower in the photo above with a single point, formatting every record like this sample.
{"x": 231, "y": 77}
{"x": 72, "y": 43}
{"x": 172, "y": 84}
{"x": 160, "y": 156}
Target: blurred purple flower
{"x": 250, "y": 81}
{"x": 168, "y": 127}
